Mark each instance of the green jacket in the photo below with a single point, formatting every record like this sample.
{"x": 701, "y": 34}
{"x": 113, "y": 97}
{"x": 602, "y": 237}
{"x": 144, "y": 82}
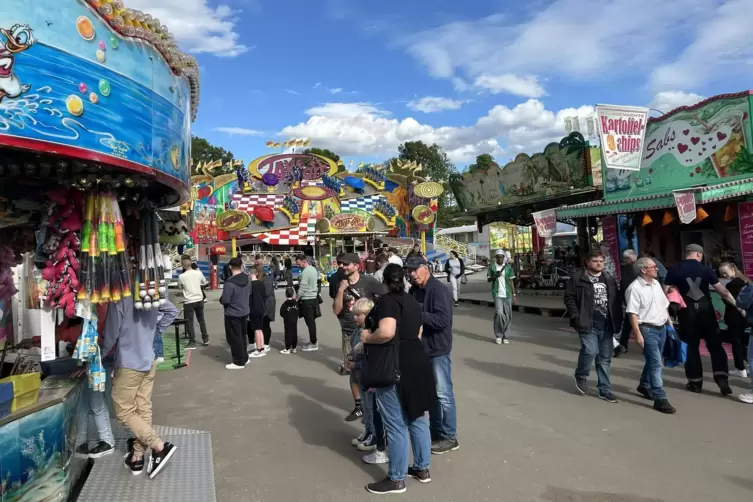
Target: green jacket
{"x": 508, "y": 274}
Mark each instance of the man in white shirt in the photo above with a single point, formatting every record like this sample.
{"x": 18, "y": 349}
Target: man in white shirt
{"x": 394, "y": 258}
{"x": 192, "y": 281}
{"x": 647, "y": 307}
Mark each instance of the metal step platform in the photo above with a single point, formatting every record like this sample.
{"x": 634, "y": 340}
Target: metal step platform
{"x": 189, "y": 477}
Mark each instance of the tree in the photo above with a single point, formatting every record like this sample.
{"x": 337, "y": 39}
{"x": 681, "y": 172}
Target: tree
{"x": 202, "y": 151}
{"x": 324, "y": 153}
{"x": 484, "y": 162}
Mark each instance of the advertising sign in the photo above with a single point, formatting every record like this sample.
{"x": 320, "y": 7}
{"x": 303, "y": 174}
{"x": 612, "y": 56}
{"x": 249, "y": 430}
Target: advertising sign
{"x": 685, "y": 202}
{"x": 709, "y": 143}
{"x": 609, "y": 230}
{"x": 348, "y": 222}
{"x": 546, "y": 222}
{"x": 745, "y": 215}
{"x": 622, "y": 130}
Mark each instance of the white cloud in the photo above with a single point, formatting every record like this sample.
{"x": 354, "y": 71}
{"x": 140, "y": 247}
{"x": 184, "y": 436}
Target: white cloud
{"x": 336, "y": 90}
{"x": 527, "y": 86}
{"x": 365, "y": 129}
{"x": 666, "y": 101}
{"x": 721, "y": 49}
{"x": 581, "y": 39}
{"x": 317, "y": 85}
{"x": 197, "y": 26}
{"x": 291, "y": 91}
{"x": 432, "y": 104}
{"x": 239, "y": 131}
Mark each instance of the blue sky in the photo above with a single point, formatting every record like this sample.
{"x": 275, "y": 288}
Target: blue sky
{"x": 479, "y": 76}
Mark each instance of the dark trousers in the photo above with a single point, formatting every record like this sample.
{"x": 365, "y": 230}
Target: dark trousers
{"x": 626, "y": 330}
{"x": 698, "y": 322}
{"x": 737, "y": 336}
{"x": 197, "y": 309}
{"x": 291, "y": 335}
{"x": 266, "y": 328}
{"x": 235, "y": 333}
{"x": 308, "y": 311}
{"x": 381, "y": 439}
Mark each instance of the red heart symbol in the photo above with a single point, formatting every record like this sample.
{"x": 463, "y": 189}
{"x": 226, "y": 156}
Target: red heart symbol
{"x": 686, "y": 132}
{"x": 682, "y": 147}
{"x": 720, "y": 136}
{"x": 695, "y": 140}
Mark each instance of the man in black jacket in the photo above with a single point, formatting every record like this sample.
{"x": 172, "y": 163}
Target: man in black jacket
{"x": 594, "y": 306}
{"x": 628, "y": 274}
{"x": 436, "y": 313}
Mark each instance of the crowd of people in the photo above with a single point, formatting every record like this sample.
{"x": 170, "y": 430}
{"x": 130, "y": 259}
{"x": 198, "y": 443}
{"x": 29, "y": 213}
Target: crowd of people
{"x": 657, "y": 306}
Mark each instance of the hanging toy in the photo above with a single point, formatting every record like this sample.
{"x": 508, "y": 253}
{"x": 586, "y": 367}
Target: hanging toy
{"x": 143, "y": 275}
{"x": 122, "y": 260}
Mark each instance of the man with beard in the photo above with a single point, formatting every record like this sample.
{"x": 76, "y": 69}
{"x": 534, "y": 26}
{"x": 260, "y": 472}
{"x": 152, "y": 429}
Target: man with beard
{"x": 693, "y": 281}
{"x": 352, "y": 287}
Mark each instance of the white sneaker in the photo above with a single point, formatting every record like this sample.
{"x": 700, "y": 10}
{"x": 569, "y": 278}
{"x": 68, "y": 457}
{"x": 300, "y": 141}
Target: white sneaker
{"x": 376, "y": 457}
{"x": 160, "y": 360}
{"x": 267, "y": 348}
{"x": 746, "y": 398}
{"x": 505, "y": 341}
{"x": 738, "y": 373}
{"x": 258, "y": 353}
{"x": 498, "y": 341}
{"x": 359, "y": 439}
{"x": 285, "y": 351}
{"x": 293, "y": 351}
{"x": 311, "y": 347}
{"x": 232, "y": 366}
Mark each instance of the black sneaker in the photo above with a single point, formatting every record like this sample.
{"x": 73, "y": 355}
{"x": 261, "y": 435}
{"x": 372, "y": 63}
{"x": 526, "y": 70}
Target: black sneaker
{"x": 607, "y": 396}
{"x": 619, "y": 350}
{"x": 457, "y": 304}
{"x": 190, "y": 346}
{"x": 663, "y": 406}
{"x": 444, "y": 446}
{"x": 724, "y": 387}
{"x": 136, "y": 467}
{"x": 158, "y": 460}
{"x": 369, "y": 443}
{"x": 386, "y": 486}
{"x": 102, "y": 449}
{"x": 581, "y": 384}
{"x": 205, "y": 343}
{"x": 355, "y": 414}
{"x": 82, "y": 451}
{"x": 694, "y": 387}
{"x": 644, "y": 392}
{"x": 422, "y": 476}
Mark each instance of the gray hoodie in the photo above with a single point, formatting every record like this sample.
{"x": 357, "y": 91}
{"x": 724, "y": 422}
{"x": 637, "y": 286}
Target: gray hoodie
{"x": 235, "y": 294}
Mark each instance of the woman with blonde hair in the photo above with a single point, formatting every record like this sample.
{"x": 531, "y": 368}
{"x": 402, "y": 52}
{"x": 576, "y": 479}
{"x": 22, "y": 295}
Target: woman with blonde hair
{"x": 257, "y": 309}
{"x": 734, "y": 317}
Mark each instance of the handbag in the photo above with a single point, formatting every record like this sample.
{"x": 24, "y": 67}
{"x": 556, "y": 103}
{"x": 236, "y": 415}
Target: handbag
{"x": 381, "y": 362}
{"x": 464, "y": 279}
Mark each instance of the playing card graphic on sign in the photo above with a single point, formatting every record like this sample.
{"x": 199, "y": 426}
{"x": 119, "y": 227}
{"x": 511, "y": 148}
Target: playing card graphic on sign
{"x": 622, "y": 130}
{"x": 546, "y": 222}
{"x": 685, "y": 202}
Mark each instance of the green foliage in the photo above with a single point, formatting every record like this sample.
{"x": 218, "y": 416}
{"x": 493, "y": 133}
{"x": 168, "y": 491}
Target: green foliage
{"x": 484, "y": 162}
{"x": 324, "y": 153}
{"x": 436, "y": 166}
{"x": 202, "y": 151}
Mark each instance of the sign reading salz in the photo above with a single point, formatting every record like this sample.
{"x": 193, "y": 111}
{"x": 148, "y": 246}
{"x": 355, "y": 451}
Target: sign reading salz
{"x": 622, "y": 131}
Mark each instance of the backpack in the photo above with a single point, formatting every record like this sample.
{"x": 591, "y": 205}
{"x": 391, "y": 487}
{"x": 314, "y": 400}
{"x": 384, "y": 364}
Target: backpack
{"x": 745, "y": 301}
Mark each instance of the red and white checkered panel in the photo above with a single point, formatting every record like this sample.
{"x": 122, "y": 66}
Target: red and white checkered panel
{"x": 303, "y": 234}
{"x": 244, "y": 202}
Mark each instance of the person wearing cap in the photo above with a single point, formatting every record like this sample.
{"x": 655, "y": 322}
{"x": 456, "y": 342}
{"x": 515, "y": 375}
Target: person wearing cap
{"x": 352, "y": 286}
{"x": 393, "y": 257}
{"x": 693, "y": 281}
{"x": 501, "y": 275}
{"x": 436, "y": 313}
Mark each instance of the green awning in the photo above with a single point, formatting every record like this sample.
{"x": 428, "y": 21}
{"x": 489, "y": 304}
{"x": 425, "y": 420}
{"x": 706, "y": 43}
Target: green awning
{"x": 703, "y": 195}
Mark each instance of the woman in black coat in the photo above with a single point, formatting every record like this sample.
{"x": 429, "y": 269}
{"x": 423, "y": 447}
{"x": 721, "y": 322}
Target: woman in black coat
{"x": 288, "y": 274}
{"x": 270, "y": 307}
{"x": 395, "y": 337}
{"x": 257, "y": 309}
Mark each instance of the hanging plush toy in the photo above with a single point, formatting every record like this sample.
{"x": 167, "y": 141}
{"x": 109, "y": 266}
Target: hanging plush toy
{"x": 173, "y": 232}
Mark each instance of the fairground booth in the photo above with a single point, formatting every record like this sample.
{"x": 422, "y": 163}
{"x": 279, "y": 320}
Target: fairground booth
{"x": 96, "y": 105}
{"x": 694, "y": 186}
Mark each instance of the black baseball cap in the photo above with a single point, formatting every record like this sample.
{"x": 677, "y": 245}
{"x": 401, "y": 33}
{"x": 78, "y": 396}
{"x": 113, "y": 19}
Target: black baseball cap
{"x": 349, "y": 258}
{"x": 415, "y": 262}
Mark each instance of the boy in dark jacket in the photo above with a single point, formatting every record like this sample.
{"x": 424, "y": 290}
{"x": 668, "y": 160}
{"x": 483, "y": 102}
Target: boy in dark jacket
{"x": 289, "y": 315}
{"x": 234, "y": 298}
{"x": 594, "y": 307}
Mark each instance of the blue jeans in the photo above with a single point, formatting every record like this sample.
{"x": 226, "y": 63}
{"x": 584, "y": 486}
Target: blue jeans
{"x": 443, "y": 416}
{"x": 159, "y": 348}
{"x": 398, "y": 430}
{"x": 595, "y": 344}
{"x": 94, "y": 404}
{"x": 653, "y": 346}
{"x": 367, "y": 406}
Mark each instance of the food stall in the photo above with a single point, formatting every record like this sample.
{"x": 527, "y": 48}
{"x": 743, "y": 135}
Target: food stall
{"x": 96, "y": 105}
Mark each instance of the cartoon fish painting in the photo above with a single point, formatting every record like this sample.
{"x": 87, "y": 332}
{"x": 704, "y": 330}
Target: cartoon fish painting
{"x": 18, "y": 39}
{"x": 175, "y": 157}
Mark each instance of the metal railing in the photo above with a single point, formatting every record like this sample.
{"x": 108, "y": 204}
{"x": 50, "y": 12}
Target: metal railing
{"x": 447, "y": 244}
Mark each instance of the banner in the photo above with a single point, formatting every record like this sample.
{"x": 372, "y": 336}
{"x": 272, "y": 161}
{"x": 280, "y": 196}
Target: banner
{"x": 546, "y": 222}
{"x": 685, "y": 202}
{"x": 745, "y": 217}
{"x": 622, "y": 130}
{"x": 609, "y": 230}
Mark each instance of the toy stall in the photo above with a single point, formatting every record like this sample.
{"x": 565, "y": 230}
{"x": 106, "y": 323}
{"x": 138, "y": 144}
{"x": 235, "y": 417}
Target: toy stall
{"x": 96, "y": 105}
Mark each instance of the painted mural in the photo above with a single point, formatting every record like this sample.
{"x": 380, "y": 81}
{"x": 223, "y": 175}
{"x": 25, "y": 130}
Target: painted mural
{"x": 559, "y": 168}
{"x": 707, "y": 143}
{"x": 72, "y": 83}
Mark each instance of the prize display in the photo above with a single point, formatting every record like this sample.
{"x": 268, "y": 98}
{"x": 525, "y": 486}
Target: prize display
{"x": 150, "y": 276}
